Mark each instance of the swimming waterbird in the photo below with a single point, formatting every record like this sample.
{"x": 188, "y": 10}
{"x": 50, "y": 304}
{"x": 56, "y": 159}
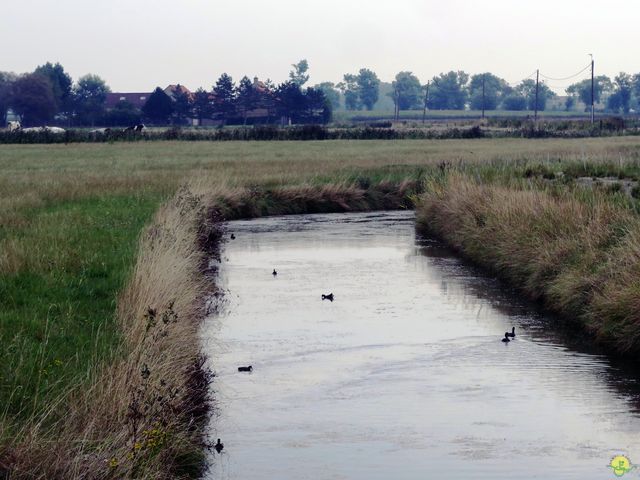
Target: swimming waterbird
{"x": 219, "y": 446}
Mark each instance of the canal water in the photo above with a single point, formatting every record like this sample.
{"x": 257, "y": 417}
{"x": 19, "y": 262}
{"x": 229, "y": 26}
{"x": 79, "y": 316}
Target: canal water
{"x": 403, "y": 375}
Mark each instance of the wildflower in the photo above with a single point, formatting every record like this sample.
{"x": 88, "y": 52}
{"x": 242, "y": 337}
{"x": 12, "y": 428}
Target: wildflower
{"x": 113, "y": 463}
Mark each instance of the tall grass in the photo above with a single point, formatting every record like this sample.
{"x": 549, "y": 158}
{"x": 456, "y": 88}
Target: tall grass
{"x": 577, "y": 251}
{"x": 101, "y": 375}
{"x": 139, "y": 414}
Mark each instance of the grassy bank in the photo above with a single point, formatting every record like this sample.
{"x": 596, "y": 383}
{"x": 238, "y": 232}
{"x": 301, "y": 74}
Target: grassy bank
{"x": 103, "y": 378}
{"x": 577, "y": 250}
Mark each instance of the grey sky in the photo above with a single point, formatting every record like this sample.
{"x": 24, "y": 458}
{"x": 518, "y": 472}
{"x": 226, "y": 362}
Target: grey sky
{"x": 138, "y": 44}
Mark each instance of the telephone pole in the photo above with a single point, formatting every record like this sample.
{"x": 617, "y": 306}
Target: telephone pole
{"x": 426, "y": 100}
{"x": 483, "y": 96}
{"x": 535, "y": 117}
{"x": 593, "y": 90}
{"x": 397, "y": 98}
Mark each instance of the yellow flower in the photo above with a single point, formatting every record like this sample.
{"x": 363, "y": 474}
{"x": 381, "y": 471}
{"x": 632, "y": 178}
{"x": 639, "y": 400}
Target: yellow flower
{"x": 113, "y": 463}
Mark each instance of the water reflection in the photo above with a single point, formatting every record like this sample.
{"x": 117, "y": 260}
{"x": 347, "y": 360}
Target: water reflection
{"x": 467, "y": 285}
{"x": 403, "y": 376}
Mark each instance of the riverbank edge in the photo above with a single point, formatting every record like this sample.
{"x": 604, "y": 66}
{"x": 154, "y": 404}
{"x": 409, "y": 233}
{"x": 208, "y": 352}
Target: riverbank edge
{"x": 578, "y": 258}
{"x": 145, "y": 415}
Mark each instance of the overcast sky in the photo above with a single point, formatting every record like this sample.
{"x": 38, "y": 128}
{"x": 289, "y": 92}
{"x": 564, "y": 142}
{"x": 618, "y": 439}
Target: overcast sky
{"x": 136, "y": 45}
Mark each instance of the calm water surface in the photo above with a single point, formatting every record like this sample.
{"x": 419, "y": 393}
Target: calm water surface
{"x": 403, "y": 376}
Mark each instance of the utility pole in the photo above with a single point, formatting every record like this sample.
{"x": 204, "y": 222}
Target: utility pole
{"x": 397, "y": 98}
{"x": 593, "y": 90}
{"x": 483, "y": 96}
{"x": 426, "y": 100}
{"x": 535, "y": 117}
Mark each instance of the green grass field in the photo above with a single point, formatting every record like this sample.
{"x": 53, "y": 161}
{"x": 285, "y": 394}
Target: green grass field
{"x": 71, "y": 216}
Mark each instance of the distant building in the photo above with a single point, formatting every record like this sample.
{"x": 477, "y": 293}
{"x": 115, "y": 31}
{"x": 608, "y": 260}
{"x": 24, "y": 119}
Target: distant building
{"x": 140, "y": 98}
{"x": 173, "y": 90}
{"x": 12, "y": 116}
{"x": 136, "y": 99}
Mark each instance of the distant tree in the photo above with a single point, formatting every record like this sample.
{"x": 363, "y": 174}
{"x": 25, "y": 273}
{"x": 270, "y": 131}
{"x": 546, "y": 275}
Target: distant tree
{"x": 620, "y": 99}
{"x": 318, "y": 108}
{"x": 182, "y": 105}
{"x": 569, "y": 103}
{"x": 494, "y": 90}
{"x": 247, "y": 98}
{"x": 6, "y": 83}
{"x": 327, "y": 111}
{"x": 514, "y": 101}
{"x": 32, "y": 98}
{"x": 385, "y": 102}
{"x": 527, "y": 89}
{"x": 89, "y": 95}
{"x": 331, "y": 93}
{"x": 636, "y": 86}
{"x": 407, "y": 91}
{"x": 601, "y": 85}
{"x": 299, "y": 74}
{"x": 159, "y": 107}
{"x": 351, "y": 91}
{"x": 122, "y": 114}
{"x": 368, "y": 88}
{"x": 448, "y": 91}
{"x": 224, "y": 93}
{"x": 290, "y": 102}
{"x": 266, "y": 97}
{"x": 202, "y": 105}
{"x": 60, "y": 83}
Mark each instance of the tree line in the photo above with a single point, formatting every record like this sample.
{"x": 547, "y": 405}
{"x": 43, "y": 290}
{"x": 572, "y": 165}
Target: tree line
{"x": 458, "y": 90}
{"x": 49, "y": 93}
{"x": 227, "y": 102}
{"x": 455, "y": 90}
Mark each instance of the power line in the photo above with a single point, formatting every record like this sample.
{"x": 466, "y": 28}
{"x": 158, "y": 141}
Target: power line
{"x": 515, "y": 84}
{"x": 569, "y": 77}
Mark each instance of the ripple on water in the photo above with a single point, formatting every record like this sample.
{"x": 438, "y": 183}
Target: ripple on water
{"x": 403, "y": 375}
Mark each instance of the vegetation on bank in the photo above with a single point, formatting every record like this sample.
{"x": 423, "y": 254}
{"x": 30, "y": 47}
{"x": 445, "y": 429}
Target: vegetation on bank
{"x": 110, "y": 309}
{"x": 575, "y": 248}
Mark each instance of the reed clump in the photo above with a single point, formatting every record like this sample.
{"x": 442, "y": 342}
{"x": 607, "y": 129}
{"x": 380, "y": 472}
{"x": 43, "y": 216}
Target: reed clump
{"x": 142, "y": 414}
{"x": 578, "y": 252}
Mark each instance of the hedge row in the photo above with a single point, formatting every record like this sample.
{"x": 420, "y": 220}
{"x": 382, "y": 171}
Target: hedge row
{"x": 308, "y": 132}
